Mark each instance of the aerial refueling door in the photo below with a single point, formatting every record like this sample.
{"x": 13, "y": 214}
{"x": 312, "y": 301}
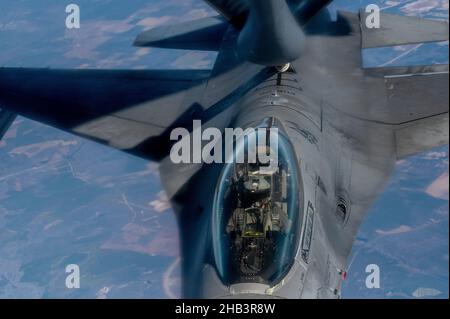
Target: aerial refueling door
{"x": 256, "y": 217}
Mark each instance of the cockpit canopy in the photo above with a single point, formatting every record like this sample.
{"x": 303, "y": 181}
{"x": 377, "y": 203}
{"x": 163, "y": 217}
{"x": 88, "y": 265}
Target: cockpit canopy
{"x": 256, "y": 219}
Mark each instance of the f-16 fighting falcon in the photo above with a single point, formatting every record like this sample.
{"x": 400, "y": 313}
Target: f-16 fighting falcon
{"x": 248, "y": 229}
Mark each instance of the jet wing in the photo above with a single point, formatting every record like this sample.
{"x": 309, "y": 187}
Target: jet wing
{"x": 235, "y": 11}
{"x": 399, "y": 30}
{"x": 203, "y": 34}
{"x": 131, "y": 110}
{"x": 127, "y": 109}
{"x": 6, "y": 119}
{"x": 407, "y": 107}
{"x": 388, "y": 96}
{"x": 421, "y": 135}
{"x": 417, "y": 99}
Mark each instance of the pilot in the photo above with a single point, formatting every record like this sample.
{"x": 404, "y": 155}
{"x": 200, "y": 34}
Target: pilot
{"x": 253, "y": 217}
{"x": 233, "y": 223}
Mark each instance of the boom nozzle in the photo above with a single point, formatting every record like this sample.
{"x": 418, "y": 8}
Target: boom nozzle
{"x": 271, "y": 35}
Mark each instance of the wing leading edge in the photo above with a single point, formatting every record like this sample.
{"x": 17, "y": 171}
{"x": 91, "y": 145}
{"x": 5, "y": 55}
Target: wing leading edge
{"x": 6, "y": 119}
{"x": 124, "y": 109}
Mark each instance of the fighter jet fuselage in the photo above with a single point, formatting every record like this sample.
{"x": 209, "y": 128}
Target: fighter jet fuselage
{"x": 317, "y": 193}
